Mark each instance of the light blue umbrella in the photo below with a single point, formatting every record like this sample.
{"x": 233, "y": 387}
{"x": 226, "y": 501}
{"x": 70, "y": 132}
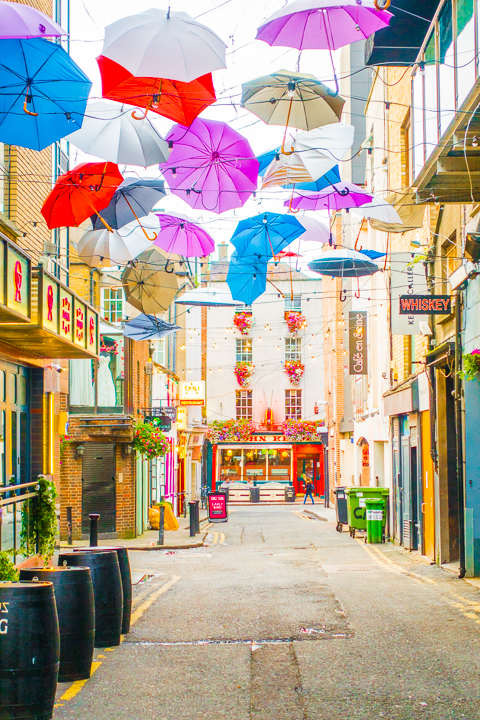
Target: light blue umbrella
{"x": 247, "y": 278}
{"x": 148, "y": 327}
{"x": 266, "y": 235}
{"x": 43, "y": 93}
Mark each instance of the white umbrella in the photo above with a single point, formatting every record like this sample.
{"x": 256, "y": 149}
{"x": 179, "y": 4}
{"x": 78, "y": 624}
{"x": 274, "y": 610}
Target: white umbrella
{"x": 110, "y": 132}
{"x": 164, "y": 44}
{"x": 379, "y": 209}
{"x": 208, "y": 297}
{"x": 102, "y": 248}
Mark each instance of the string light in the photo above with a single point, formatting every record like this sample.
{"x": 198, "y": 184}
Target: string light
{"x": 182, "y": 347}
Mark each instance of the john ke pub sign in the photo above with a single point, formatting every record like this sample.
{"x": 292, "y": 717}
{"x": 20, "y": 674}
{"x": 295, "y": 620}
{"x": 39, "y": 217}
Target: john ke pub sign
{"x": 357, "y": 345}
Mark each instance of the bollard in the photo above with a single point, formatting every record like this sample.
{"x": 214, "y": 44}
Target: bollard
{"x": 69, "y": 526}
{"x": 94, "y": 518}
{"x": 197, "y": 516}
{"x": 161, "y": 526}
{"x": 191, "y": 510}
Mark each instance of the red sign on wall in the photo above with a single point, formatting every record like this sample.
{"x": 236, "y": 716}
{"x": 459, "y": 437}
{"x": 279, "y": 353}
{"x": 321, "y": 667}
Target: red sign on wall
{"x": 217, "y": 507}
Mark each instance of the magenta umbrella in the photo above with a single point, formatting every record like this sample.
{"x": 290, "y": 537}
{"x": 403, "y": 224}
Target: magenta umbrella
{"x": 179, "y": 234}
{"x": 340, "y": 196}
{"x": 211, "y": 166}
{"x": 21, "y": 22}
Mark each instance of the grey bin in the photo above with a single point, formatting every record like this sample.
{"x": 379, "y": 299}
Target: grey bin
{"x": 290, "y": 494}
{"x": 254, "y": 494}
{"x": 341, "y": 507}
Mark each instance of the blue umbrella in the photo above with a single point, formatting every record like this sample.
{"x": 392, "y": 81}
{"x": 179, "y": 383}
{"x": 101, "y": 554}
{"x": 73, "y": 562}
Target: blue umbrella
{"x": 343, "y": 263}
{"x": 43, "y": 93}
{"x": 373, "y": 254}
{"x": 148, "y": 327}
{"x": 266, "y": 158}
{"x": 247, "y": 278}
{"x": 266, "y": 234}
{"x": 133, "y": 199}
{"x": 330, "y": 178}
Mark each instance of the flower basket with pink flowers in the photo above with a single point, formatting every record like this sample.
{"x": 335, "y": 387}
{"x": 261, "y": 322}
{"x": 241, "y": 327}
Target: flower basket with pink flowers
{"x": 294, "y": 369}
{"x": 243, "y": 321}
{"x": 295, "y": 321}
{"x": 471, "y": 365}
{"x": 230, "y": 431}
{"x": 148, "y": 440}
{"x": 302, "y": 430}
{"x": 243, "y": 372}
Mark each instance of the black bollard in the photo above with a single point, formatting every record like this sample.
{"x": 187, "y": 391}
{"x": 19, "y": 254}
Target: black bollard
{"x": 94, "y": 518}
{"x": 69, "y": 526}
{"x": 191, "y": 509}
{"x": 161, "y": 526}
{"x": 197, "y": 516}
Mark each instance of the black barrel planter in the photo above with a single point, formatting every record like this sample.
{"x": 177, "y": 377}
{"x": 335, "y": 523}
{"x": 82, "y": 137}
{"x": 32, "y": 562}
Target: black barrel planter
{"x": 29, "y": 650}
{"x": 107, "y": 592}
{"x": 125, "y": 574}
{"x": 73, "y": 590}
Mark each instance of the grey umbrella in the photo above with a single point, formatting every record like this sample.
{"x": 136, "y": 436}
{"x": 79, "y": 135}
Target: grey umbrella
{"x": 152, "y": 280}
{"x": 133, "y": 199}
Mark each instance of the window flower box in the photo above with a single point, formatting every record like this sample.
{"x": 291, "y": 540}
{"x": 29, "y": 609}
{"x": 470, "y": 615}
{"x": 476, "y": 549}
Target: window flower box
{"x": 294, "y": 369}
{"x": 295, "y": 321}
{"x": 243, "y": 321}
{"x": 243, "y": 372}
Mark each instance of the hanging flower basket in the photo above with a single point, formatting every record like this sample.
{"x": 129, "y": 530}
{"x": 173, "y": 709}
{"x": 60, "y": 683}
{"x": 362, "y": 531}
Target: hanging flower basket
{"x": 150, "y": 441}
{"x": 243, "y": 321}
{"x": 229, "y": 431}
{"x": 302, "y": 430}
{"x": 294, "y": 369}
{"x": 243, "y": 372}
{"x": 295, "y": 321}
{"x": 471, "y": 365}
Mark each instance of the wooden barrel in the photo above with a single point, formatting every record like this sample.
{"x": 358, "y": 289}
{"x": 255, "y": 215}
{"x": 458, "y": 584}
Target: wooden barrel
{"x": 73, "y": 590}
{"x": 107, "y": 592}
{"x": 125, "y": 574}
{"x": 29, "y": 650}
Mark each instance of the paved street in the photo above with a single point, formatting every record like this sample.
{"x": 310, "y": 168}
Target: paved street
{"x": 283, "y": 618}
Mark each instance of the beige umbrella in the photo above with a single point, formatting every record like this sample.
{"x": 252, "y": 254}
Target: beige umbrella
{"x": 152, "y": 280}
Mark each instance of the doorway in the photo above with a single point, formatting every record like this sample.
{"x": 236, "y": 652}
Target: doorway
{"x": 310, "y": 469}
{"x": 428, "y": 499}
{"x": 98, "y": 486}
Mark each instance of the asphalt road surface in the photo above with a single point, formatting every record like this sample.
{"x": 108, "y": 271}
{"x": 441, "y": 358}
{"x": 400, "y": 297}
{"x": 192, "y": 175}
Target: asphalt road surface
{"x": 283, "y": 618}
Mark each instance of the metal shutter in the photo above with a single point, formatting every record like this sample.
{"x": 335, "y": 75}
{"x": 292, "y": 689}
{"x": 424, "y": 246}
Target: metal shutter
{"x": 98, "y": 486}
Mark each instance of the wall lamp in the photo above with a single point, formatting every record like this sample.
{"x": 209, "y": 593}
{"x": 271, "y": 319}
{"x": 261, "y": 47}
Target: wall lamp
{"x": 127, "y": 450}
{"x": 79, "y": 451}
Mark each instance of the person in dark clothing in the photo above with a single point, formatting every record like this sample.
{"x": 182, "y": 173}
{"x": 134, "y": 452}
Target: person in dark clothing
{"x": 309, "y": 488}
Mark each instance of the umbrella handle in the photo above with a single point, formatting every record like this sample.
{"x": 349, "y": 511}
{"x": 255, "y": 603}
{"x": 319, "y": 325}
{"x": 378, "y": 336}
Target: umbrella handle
{"x": 290, "y": 210}
{"x": 343, "y": 295}
{"x": 25, "y": 110}
{"x": 343, "y": 193}
{"x": 142, "y": 117}
{"x": 386, "y": 4}
{"x": 166, "y": 267}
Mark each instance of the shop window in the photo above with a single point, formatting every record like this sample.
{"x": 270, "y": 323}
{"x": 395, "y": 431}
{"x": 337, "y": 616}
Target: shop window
{"x": 244, "y": 350}
{"x": 100, "y": 388}
{"x": 243, "y": 404}
{"x": 231, "y": 464}
{"x": 293, "y": 349}
{"x": 293, "y": 304}
{"x": 112, "y": 305}
{"x": 255, "y": 463}
{"x": 279, "y": 461}
{"x": 293, "y": 404}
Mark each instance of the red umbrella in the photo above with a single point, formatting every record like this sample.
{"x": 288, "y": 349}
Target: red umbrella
{"x": 288, "y": 254}
{"x": 179, "y": 101}
{"x": 88, "y": 187}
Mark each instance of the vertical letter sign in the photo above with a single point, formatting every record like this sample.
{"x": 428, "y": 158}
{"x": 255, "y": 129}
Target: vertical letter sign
{"x": 357, "y": 346}
{"x": 217, "y": 507}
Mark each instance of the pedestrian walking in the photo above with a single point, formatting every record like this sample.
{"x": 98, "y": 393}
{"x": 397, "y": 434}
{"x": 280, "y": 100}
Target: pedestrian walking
{"x": 309, "y": 488}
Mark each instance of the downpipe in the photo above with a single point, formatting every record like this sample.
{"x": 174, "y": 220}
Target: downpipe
{"x": 459, "y": 433}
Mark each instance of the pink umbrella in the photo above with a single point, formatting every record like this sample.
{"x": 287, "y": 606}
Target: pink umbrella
{"x": 211, "y": 166}
{"x": 179, "y": 234}
{"x": 340, "y": 196}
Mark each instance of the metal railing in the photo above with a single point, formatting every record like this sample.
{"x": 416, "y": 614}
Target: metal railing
{"x": 11, "y": 510}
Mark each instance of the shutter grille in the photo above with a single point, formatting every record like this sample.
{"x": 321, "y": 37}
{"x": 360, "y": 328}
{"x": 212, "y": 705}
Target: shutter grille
{"x": 98, "y": 486}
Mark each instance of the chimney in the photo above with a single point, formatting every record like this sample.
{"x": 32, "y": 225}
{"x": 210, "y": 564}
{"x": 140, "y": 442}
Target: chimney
{"x": 222, "y": 251}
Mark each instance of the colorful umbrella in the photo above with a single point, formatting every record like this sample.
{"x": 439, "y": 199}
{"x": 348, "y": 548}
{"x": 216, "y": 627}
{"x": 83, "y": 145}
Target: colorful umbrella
{"x": 180, "y": 235}
{"x": 330, "y": 178}
{"x": 211, "y": 167}
{"x": 105, "y": 248}
{"x": 315, "y": 231}
{"x": 110, "y": 132}
{"x": 207, "y": 297}
{"x": 87, "y": 188}
{"x": 132, "y": 199}
{"x": 164, "y": 44}
{"x": 265, "y": 235}
{"x": 246, "y": 280}
{"x": 43, "y": 93}
{"x": 148, "y": 327}
{"x": 379, "y": 209}
{"x": 343, "y": 263}
{"x": 18, "y": 21}
{"x": 343, "y": 195}
{"x": 152, "y": 281}
{"x": 179, "y": 101}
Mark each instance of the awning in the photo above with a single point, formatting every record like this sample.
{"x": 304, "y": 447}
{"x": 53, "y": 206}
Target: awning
{"x": 442, "y": 355}
{"x": 411, "y": 214}
{"x": 401, "y": 400}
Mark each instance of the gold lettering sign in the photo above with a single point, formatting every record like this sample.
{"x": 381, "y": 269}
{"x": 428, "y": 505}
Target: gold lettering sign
{"x": 66, "y": 315}
{"x": 50, "y": 304}
{"x": 18, "y": 282}
{"x": 79, "y": 323}
{"x": 92, "y": 332}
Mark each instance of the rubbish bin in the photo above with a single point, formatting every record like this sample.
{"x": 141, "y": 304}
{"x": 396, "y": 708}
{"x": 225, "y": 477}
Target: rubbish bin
{"x": 222, "y": 491}
{"x": 356, "y": 506}
{"x": 254, "y": 494}
{"x": 374, "y": 510}
{"x": 290, "y": 493}
{"x": 341, "y": 507}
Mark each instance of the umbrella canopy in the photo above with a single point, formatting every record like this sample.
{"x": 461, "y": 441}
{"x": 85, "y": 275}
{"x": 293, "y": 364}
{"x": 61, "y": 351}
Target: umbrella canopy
{"x": 164, "y": 44}
{"x": 323, "y": 24}
{"x": 379, "y": 209}
{"x": 211, "y": 166}
{"x": 21, "y": 22}
{"x": 343, "y": 263}
{"x": 88, "y": 187}
{"x": 132, "y": 199}
{"x": 110, "y": 132}
{"x": 265, "y": 235}
{"x": 207, "y": 297}
{"x": 246, "y": 280}
{"x": 148, "y": 327}
{"x": 330, "y": 178}
{"x": 150, "y": 283}
{"x": 179, "y": 101}
{"x": 315, "y": 231}
{"x": 43, "y": 93}
{"x": 103, "y": 248}
{"x": 343, "y": 195}
{"x": 291, "y": 99}
{"x": 179, "y": 234}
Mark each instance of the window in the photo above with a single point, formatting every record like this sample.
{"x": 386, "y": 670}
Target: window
{"x": 243, "y": 308}
{"x": 244, "y": 350}
{"x": 159, "y": 351}
{"x": 405, "y": 145}
{"x": 99, "y": 384}
{"x": 243, "y": 402}
{"x": 112, "y": 305}
{"x": 446, "y": 66}
{"x": 450, "y": 262}
{"x": 293, "y": 404}
{"x": 293, "y": 349}
{"x": 293, "y": 303}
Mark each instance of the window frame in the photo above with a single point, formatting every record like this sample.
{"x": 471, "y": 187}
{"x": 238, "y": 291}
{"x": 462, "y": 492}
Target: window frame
{"x": 293, "y": 355}
{"x": 108, "y": 311}
{"x": 293, "y": 304}
{"x": 243, "y": 354}
{"x": 293, "y": 410}
{"x": 243, "y": 404}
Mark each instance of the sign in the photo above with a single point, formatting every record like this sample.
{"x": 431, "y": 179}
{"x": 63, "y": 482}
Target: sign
{"x": 18, "y": 282}
{"x": 92, "y": 332}
{"x": 182, "y": 418}
{"x": 425, "y": 305}
{"x": 170, "y": 412}
{"x": 217, "y": 507}
{"x": 407, "y": 278}
{"x": 192, "y": 392}
{"x": 357, "y": 346}
{"x": 162, "y": 422}
{"x": 50, "y": 304}
{"x": 66, "y": 314}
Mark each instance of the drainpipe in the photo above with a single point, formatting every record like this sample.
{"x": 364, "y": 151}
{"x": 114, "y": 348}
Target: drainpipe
{"x": 91, "y": 285}
{"x": 458, "y": 432}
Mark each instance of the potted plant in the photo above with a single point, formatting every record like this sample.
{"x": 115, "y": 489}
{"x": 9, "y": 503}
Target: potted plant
{"x": 295, "y": 321}
{"x": 229, "y": 431}
{"x": 243, "y": 321}
{"x": 294, "y": 369}
{"x": 471, "y": 365}
{"x": 243, "y": 372}
{"x": 150, "y": 441}
{"x": 39, "y": 521}
{"x": 8, "y": 571}
{"x": 302, "y": 430}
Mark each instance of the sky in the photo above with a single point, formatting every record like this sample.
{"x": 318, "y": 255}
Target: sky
{"x": 236, "y": 22}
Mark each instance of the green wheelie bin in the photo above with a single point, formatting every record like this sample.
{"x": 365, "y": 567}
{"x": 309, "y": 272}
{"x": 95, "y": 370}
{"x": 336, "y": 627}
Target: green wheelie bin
{"x": 356, "y": 506}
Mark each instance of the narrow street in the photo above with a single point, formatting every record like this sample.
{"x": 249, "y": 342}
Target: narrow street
{"x": 282, "y": 618}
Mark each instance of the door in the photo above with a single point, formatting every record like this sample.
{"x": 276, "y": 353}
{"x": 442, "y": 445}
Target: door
{"x": 397, "y": 484}
{"x": 98, "y": 486}
{"x": 406, "y": 538}
{"x": 310, "y": 469}
{"x": 428, "y": 501}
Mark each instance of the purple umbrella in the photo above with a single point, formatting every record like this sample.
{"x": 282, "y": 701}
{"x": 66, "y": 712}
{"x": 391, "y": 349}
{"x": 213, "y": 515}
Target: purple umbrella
{"x": 212, "y": 167}
{"x": 178, "y": 234}
{"x": 340, "y": 196}
{"x": 21, "y": 22}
